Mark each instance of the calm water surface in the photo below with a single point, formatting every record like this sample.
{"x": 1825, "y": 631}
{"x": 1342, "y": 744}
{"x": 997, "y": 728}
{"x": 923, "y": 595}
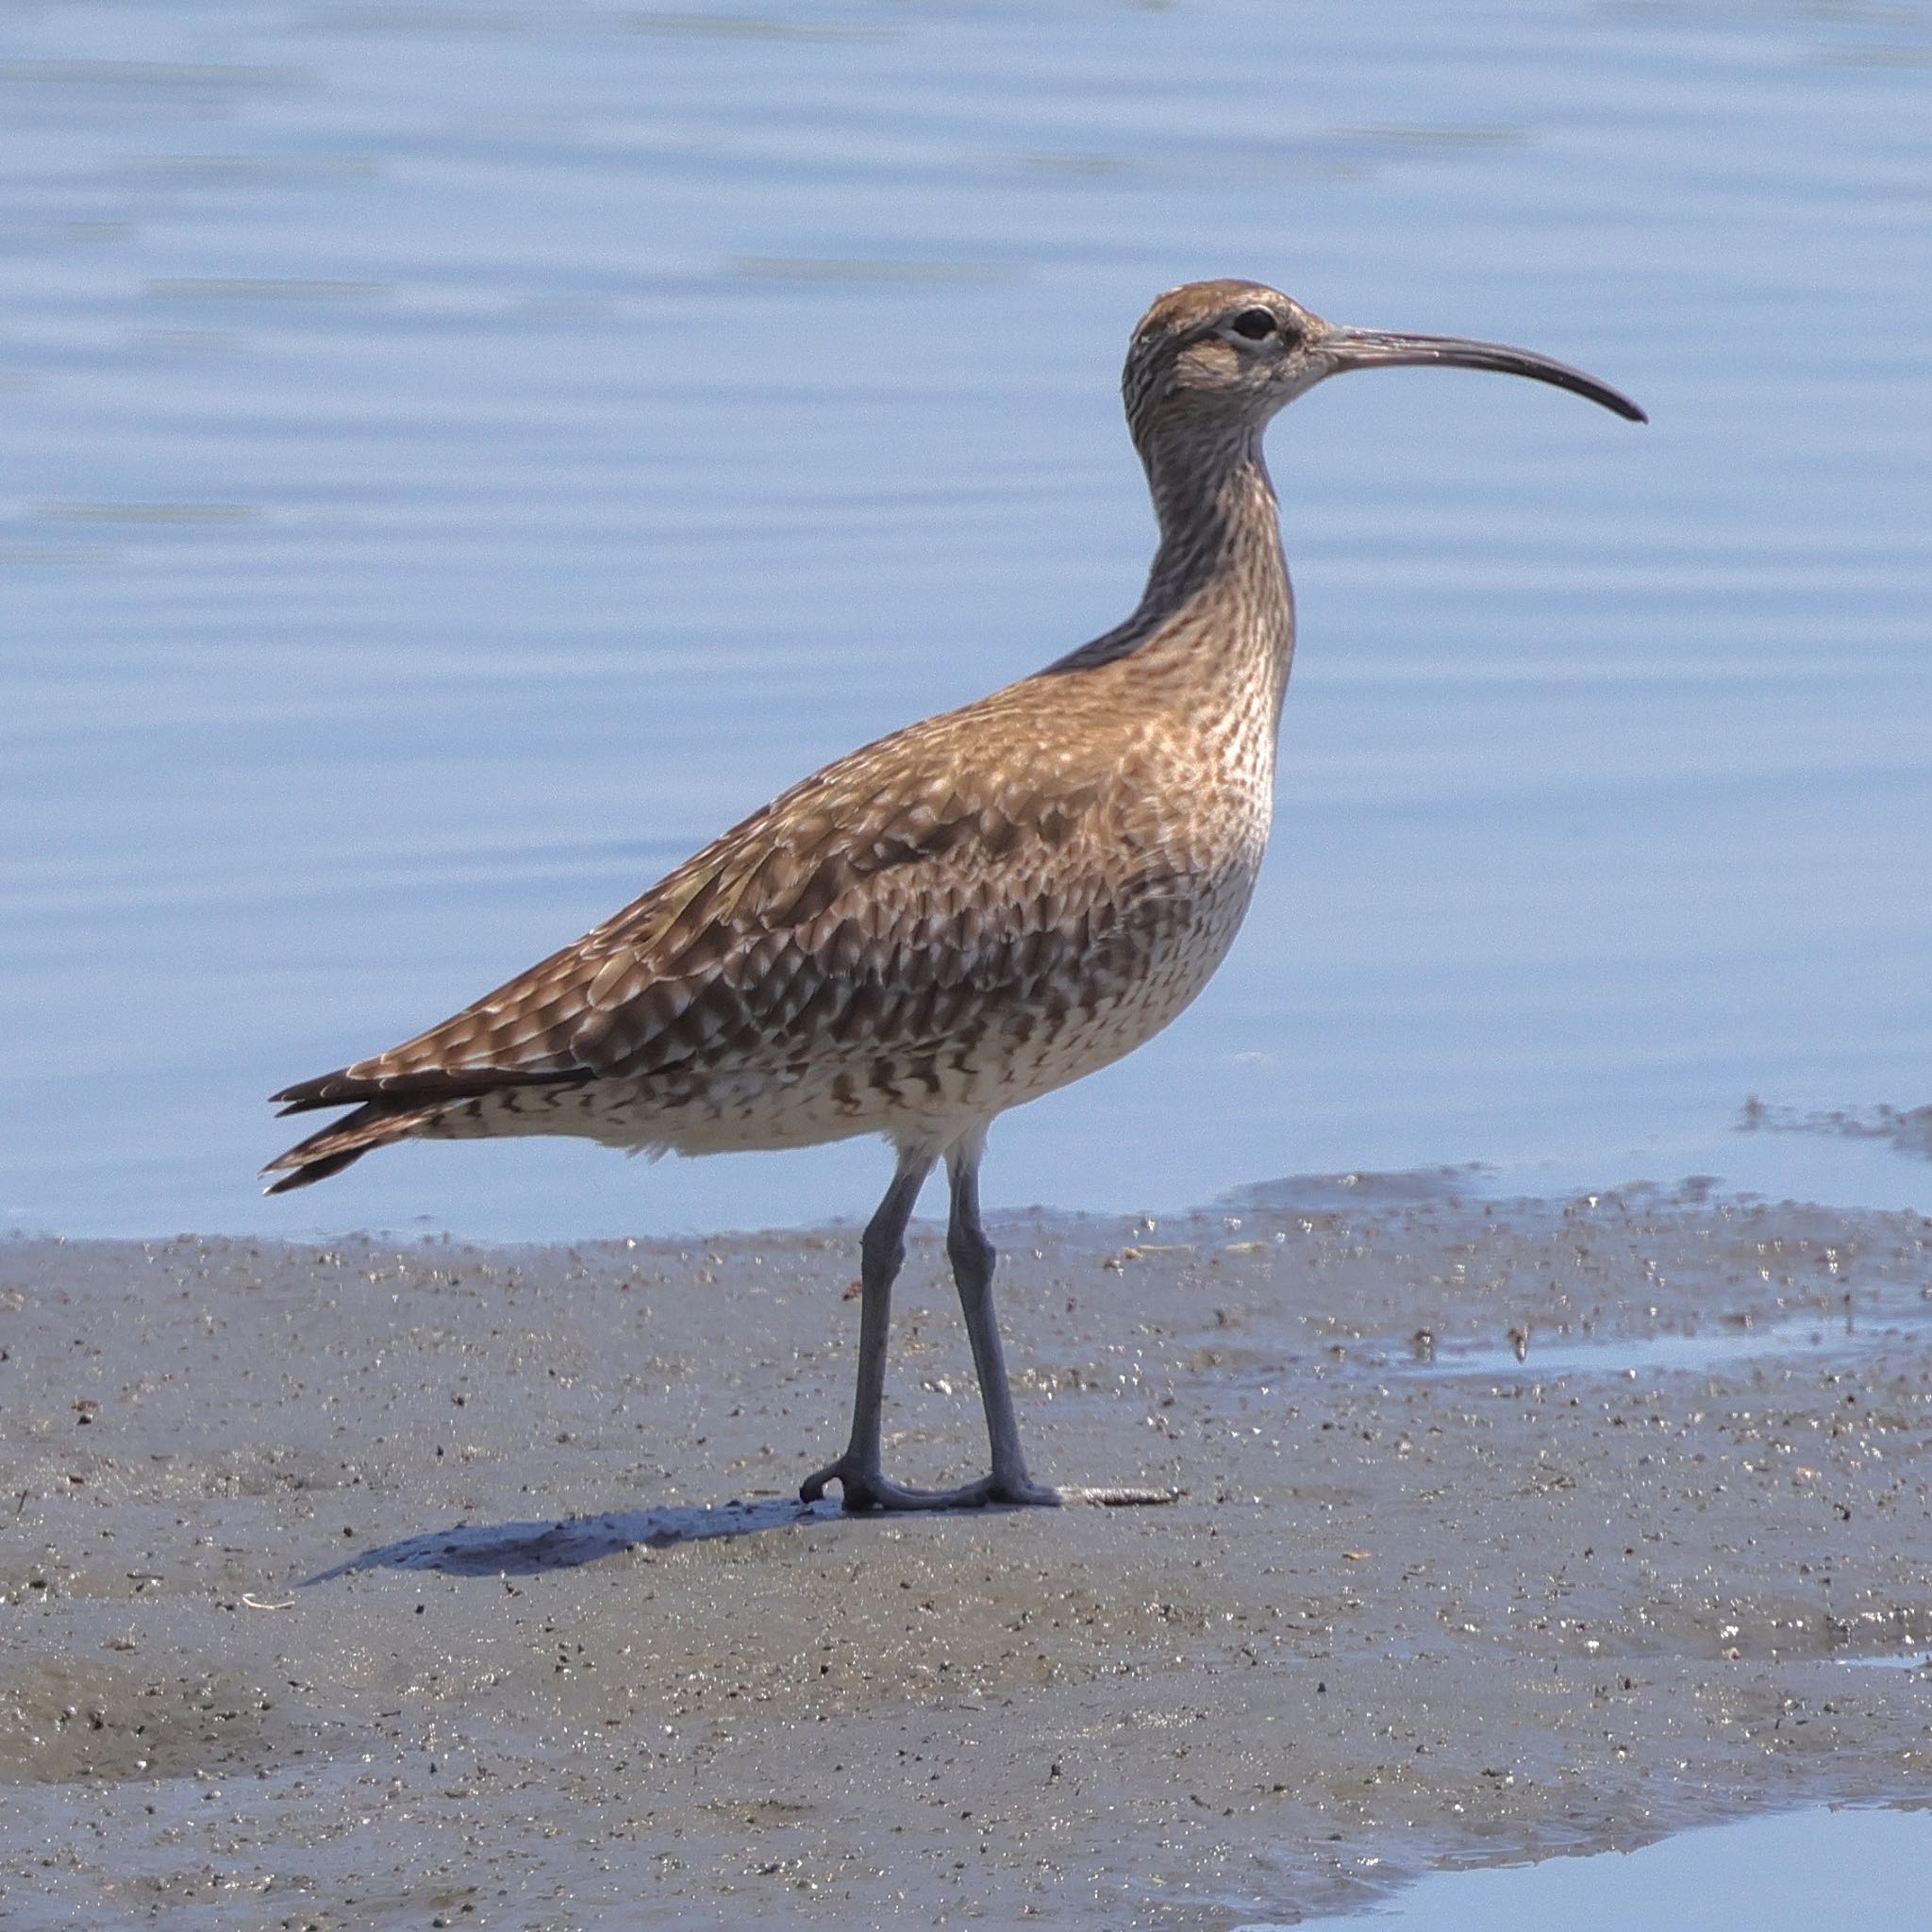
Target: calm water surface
{"x": 1820, "y": 1870}
{"x": 459, "y": 458}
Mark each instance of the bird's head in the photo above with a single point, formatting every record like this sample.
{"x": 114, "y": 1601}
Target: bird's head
{"x": 1226, "y": 356}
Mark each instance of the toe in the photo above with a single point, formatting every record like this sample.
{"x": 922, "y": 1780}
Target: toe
{"x": 1023, "y": 1493}
{"x": 861, "y": 1489}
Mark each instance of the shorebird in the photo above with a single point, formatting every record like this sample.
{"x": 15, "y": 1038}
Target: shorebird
{"x": 962, "y": 916}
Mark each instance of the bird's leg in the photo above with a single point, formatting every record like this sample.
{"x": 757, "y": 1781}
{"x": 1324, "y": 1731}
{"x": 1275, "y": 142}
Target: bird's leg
{"x": 858, "y": 1471}
{"x": 881, "y": 1250}
{"x": 971, "y": 1255}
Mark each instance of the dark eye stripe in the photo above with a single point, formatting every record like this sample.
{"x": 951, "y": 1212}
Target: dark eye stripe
{"x": 1255, "y": 324}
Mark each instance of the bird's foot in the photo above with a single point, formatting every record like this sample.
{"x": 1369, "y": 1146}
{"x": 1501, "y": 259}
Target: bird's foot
{"x": 867, "y": 1489}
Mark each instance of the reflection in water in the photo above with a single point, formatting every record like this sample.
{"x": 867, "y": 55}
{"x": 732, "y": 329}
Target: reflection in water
{"x": 464, "y": 456}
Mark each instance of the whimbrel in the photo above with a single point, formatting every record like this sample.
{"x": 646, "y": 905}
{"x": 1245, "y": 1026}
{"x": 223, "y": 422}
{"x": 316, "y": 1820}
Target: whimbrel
{"x": 962, "y": 916}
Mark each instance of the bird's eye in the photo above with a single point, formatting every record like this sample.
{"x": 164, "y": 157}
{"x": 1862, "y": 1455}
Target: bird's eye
{"x": 1256, "y": 323}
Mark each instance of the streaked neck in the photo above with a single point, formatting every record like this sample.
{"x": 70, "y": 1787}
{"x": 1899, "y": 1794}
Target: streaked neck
{"x": 1219, "y": 586}
{"x": 1220, "y": 527}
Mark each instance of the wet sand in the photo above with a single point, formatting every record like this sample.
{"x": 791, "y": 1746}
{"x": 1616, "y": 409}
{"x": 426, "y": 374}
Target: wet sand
{"x": 405, "y": 1585}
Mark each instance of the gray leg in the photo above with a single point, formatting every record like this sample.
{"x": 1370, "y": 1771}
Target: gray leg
{"x": 858, "y": 1471}
{"x": 881, "y": 1252}
{"x": 971, "y": 1255}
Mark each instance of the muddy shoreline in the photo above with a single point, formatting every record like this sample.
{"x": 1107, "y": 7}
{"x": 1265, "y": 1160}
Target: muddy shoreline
{"x": 396, "y": 1584}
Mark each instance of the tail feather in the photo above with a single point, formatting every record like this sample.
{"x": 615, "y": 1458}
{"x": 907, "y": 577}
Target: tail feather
{"x": 347, "y": 1140}
{"x": 313, "y": 1171}
{"x": 347, "y": 1088}
{"x": 385, "y": 1110}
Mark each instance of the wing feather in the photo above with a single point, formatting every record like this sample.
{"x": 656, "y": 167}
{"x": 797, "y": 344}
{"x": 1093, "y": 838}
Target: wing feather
{"x": 876, "y": 904}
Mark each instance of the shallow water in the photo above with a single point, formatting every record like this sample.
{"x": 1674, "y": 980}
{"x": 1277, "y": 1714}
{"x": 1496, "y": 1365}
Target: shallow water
{"x": 1805, "y": 1871}
{"x": 1806, "y": 1339}
{"x": 463, "y": 458}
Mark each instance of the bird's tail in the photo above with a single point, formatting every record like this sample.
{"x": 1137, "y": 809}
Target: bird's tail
{"x": 375, "y": 1125}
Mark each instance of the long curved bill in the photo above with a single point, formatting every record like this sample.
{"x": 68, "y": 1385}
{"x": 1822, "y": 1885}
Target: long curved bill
{"x": 1374, "y": 349}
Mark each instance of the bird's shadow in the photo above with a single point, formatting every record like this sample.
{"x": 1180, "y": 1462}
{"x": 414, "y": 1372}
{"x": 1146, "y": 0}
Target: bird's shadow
{"x": 530, "y": 1549}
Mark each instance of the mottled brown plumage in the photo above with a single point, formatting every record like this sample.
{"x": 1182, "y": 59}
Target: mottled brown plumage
{"x": 888, "y": 933}
{"x": 963, "y": 915}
